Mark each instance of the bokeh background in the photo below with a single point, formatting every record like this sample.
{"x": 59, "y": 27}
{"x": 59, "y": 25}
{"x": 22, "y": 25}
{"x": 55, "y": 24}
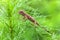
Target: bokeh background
{"x": 14, "y": 27}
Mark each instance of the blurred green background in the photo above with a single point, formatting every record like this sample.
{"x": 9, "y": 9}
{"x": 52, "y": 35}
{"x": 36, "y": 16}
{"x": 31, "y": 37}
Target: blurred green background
{"x": 14, "y": 27}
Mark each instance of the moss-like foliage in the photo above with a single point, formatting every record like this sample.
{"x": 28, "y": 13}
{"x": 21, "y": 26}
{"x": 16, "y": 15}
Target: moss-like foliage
{"x": 14, "y": 27}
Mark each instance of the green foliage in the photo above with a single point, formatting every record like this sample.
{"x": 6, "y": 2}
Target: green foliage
{"x": 14, "y": 27}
